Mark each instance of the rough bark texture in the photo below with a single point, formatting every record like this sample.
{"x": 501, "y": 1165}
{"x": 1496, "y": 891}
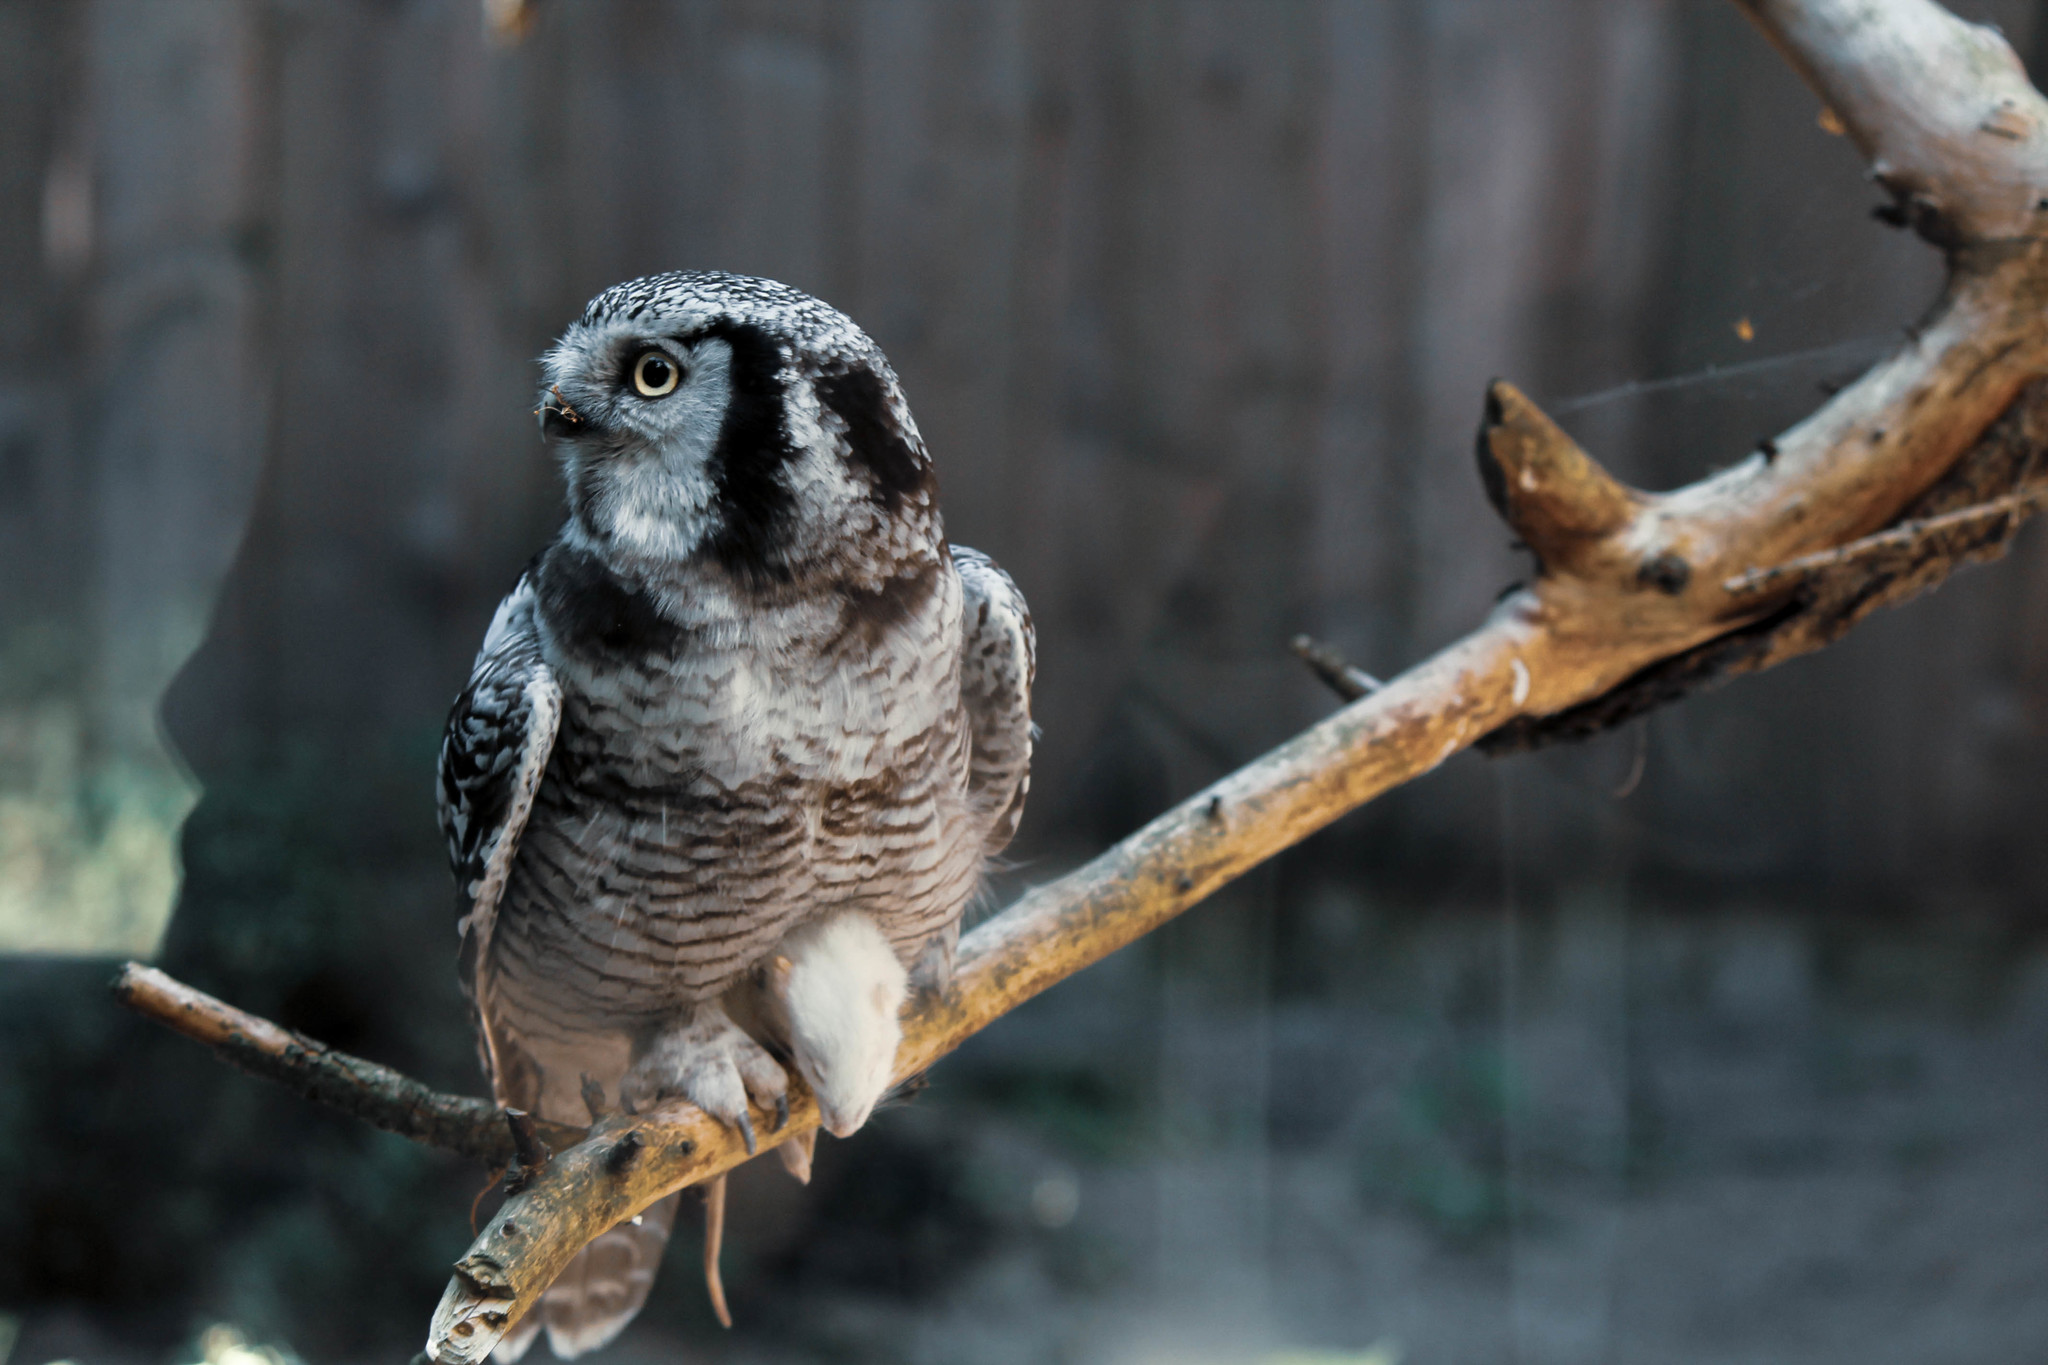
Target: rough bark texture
{"x": 1819, "y": 604}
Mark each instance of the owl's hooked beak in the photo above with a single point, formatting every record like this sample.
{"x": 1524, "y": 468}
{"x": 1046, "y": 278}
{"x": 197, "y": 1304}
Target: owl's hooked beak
{"x": 557, "y": 418}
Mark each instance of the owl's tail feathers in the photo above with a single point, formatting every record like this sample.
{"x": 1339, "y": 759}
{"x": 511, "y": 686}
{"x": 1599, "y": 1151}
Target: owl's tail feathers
{"x": 599, "y": 1291}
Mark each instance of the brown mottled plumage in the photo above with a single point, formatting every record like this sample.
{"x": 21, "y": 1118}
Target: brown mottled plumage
{"x": 748, "y": 687}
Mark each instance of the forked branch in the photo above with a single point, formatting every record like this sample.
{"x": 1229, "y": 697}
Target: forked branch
{"x": 1640, "y": 597}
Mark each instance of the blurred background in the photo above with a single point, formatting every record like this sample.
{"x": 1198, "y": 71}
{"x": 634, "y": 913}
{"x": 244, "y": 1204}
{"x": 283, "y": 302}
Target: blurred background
{"x": 1723, "y": 1038}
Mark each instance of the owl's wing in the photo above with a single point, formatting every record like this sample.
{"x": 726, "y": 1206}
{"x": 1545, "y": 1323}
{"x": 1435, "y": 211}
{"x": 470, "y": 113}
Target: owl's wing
{"x": 997, "y": 663}
{"x": 493, "y": 755}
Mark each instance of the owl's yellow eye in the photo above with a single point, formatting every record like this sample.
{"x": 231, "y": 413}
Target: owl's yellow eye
{"x": 654, "y": 375}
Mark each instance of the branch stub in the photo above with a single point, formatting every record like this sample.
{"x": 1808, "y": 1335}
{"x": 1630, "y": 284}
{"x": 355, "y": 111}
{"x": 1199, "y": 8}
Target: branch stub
{"x": 1554, "y": 495}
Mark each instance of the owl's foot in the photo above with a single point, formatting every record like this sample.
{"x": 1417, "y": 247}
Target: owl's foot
{"x": 707, "y": 1060}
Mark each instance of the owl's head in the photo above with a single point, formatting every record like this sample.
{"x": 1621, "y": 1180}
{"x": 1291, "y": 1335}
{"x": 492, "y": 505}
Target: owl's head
{"x": 736, "y": 421}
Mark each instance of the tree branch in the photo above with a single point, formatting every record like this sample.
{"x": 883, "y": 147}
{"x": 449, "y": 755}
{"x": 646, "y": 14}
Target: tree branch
{"x": 2013, "y": 508}
{"x": 1940, "y": 108}
{"x": 1958, "y": 521}
{"x": 1639, "y": 598}
{"x": 1330, "y": 667}
{"x": 375, "y": 1094}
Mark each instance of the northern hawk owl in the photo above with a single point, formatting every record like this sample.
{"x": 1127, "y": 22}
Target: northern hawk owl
{"x": 736, "y": 747}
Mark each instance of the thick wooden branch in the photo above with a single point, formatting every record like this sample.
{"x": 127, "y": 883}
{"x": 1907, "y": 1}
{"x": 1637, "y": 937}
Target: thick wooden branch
{"x": 1971, "y": 514}
{"x": 1955, "y": 132}
{"x": 1940, "y": 108}
{"x": 376, "y": 1094}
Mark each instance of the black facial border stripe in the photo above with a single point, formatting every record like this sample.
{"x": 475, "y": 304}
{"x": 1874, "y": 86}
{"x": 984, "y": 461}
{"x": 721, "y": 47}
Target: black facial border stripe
{"x": 857, "y": 394}
{"x": 754, "y": 449}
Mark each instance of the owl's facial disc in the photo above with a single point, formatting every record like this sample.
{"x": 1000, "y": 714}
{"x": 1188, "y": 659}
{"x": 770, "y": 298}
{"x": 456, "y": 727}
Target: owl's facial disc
{"x": 739, "y": 426}
{"x": 638, "y": 418}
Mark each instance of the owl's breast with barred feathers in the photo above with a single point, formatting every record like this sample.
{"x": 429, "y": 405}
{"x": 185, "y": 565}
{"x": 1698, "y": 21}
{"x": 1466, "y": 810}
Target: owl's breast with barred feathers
{"x": 719, "y": 777}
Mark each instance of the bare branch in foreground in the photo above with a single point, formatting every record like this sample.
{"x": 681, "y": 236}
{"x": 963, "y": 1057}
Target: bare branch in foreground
{"x": 1940, "y": 109}
{"x": 376, "y": 1094}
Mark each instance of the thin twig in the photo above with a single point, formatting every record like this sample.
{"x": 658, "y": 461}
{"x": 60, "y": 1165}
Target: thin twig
{"x": 1902, "y": 536}
{"x": 1339, "y": 676}
{"x": 376, "y": 1094}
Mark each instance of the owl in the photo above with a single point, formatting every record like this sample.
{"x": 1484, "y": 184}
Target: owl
{"x": 736, "y": 748}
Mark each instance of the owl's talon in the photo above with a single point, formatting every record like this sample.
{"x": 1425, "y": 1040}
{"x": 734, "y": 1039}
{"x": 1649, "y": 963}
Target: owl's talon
{"x": 781, "y": 1112}
{"x": 710, "y": 1062}
{"x": 593, "y": 1098}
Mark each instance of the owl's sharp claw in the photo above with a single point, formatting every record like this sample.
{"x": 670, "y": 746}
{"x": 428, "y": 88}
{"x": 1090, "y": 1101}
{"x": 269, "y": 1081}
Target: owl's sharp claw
{"x": 593, "y": 1097}
{"x": 781, "y": 1112}
{"x": 710, "y": 1062}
